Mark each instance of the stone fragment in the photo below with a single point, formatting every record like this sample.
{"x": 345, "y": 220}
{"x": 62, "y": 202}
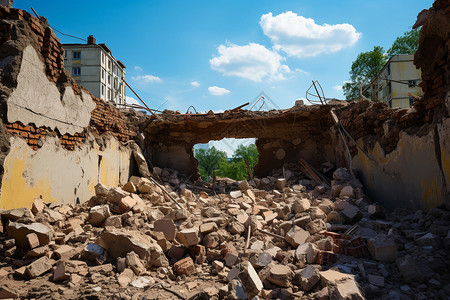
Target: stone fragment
{"x": 184, "y": 266}
{"x": 410, "y": 270}
{"x": 142, "y": 282}
{"x": 347, "y": 191}
{"x": 7, "y": 293}
{"x": 301, "y": 205}
{"x": 176, "y": 252}
{"x": 376, "y": 211}
{"x": 59, "y": 274}
{"x": 38, "y": 267}
{"x": 235, "y": 194}
{"x": 65, "y": 252}
{"x": 127, "y": 203}
{"x": 382, "y": 248}
{"x": 146, "y": 187}
{"x": 281, "y": 183}
{"x": 315, "y": 226}
{"x": 309, "y": 277}
{"x": 280, "y": 275}
{"x": 376, "y": 280}
{"x": 39, "y": 252}
{"x": 208, "y": 227}
{"x": 19, "y": 232}
{"x": 211, "y": 240}
{"x": 119, "y": 242}
{"x": 306, "y": 253}
{"x": 33, "y": 240}
{"x": 113, "y": 221}
{"x": 125, "y": 277}
{"x": 351, "y": 214}
{"x": 236, "y": 227}
{"x": 218, "y": 265}
{"x": 260, "y": 260}
{"x": 93, "y": 252}
{"x": 296, "y": 236}
{"x": 167, "y": 227}
{"x": 98, "y": 214}
{"x": 134, "y": 262}
{"x": 340, "y": 285}
{"x": 38, "y": 206}
{"x": 129, "y": 187}
{"x": 140, "y": 205}
{"x": 243, "y": 185}
{"x": 101, "y": 190}
{"x": 188, "y": 237}
{"x": 250, "y": 281}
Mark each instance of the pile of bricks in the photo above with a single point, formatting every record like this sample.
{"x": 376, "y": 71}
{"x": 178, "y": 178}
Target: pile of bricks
{"x": 344, "y": 244}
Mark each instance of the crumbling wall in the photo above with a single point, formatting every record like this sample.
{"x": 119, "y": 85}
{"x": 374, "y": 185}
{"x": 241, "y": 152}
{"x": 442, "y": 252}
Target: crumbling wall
{"x": 57, "y": 141}
{"x": 408, "y": 161}
{"x": 281, "y": 137}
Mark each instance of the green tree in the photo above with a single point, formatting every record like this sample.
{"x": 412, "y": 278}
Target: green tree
{"x": 364, "y": 69}
{"x": 405, "y": 44}
{"x": 208, "y": 161}
{"x": 249, "y": 153}
{"x": 235, "y": 169}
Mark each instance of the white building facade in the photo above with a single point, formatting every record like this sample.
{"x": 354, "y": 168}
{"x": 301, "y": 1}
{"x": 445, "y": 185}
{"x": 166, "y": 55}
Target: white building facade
{"x": 94, "y": 67}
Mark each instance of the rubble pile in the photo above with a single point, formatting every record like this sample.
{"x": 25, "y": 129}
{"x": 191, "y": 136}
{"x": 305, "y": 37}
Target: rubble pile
{"x": 148, "y": 241}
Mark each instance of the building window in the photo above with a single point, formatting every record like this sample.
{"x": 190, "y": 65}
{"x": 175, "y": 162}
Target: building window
{"x": 103, "y": 57}
{"x": 109, "y": 79}
{"x": 412, "y": 83}
{"x": 412, "y": 101}
{"x": 76, "y": 71}
{"x": 103, "y": 74}
{"x": 389, "y": 69}
{"x": 76, "y": 55}
{"x": 65, "y": 54}
{"x": 109, "y": 94}
{"x": 109, "y": 65}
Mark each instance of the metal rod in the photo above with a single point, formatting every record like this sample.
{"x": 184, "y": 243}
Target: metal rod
{"x": 148, "y": 108}
{"x": 35, "y": 12}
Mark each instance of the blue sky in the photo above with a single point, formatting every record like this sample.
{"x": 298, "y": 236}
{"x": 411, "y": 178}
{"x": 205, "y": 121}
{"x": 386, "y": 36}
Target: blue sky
{"x": 220, "y": 54}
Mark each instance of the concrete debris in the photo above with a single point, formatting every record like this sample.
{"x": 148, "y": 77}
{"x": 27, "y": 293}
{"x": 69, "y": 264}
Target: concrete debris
{"x": 107, "y": 245}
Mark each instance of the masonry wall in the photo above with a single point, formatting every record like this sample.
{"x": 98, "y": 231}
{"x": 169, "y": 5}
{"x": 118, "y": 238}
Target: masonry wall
{"x": 408, "y": 162}
{"x": 57, "y": 141}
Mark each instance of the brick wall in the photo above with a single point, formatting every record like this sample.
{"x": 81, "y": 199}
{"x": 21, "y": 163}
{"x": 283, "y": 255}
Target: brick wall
{"x": 43, "y": 38}
{"x": 105, "y": 118}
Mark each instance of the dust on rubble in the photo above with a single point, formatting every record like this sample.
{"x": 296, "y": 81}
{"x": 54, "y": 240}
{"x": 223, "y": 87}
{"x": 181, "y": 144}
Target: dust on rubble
{"x": 270, "y": 238}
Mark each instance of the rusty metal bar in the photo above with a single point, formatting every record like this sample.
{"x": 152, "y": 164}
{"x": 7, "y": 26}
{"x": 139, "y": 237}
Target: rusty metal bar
{"x": 148, "y": 108}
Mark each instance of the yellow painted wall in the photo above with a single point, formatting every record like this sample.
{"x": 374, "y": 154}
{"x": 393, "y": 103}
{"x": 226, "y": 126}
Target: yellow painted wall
{"x": 58, "y": 175}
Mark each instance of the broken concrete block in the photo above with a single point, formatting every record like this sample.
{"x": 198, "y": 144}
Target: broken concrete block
{"x": 306, "y": 253}
{"x": 376, "y": 211}
{"x": 93, "y": 252}
{"x": 65, "y": 252}
{"x": 188, "y": 237}
{"x": 39, "y": 252}
{"x": 101, "y": 190}
{"x": 113, "y": 221}
{"x": 16, "y": 214}
{"x": 315, "y": 226}
{"x": 351, "y": 214}
{"x": 217, "y": 265}
{"x": 134, "y": 262}
{"x": 33, "y": 240}
{"x": 243, "y": 185}
{"x": 176, "y": 252}
{"x": 250, "y": 281}
{"x": 376, "y": 280}
{"x": 382, "y": 248}
{"x": 59, "y": 274}
{"x": 309, "y": 277}
{"x": 184, "y": 266}
{"x": 347, "y": 191}
{"x": 19, "y": 232}
{"x": 146, "y": 187}
{"x": 211, "y": 240}
{"x": 301, "y": 205}
{"x": 235, "y": 194}
{"x": 410, "y": 270}
{"x": 118, "y": 242}
{"x": 280, "y": 275}
{"x": 115, "y": 194}
{"x": 129, "y": 187}
{"x": 208, "y": 227}
{"x": 260, "y": 260}
{"x": 231, "y": 258}
{"x": 125, "y": 277}
{"x": 167, "y": 227}
{"x": 346, "y": 289}
{"x": 296, "y": 236}
{"x": 281, "y": 183}
{"x": 98, "y": 214}
{"x": 140, "y": 205}
{"x": 236, "y": 227}
{"x": 127, "y": 203}
{"x": 38, "y": 206}
{"x": 326, "y": 257}
{"x": 38, "y": 267}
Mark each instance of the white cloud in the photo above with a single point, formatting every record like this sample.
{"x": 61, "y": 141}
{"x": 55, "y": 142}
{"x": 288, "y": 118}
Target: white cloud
{"x": 301, "y": 37}
{"x": 195, "y": 84}
{"x": 339, "y": 87}
{"x": 137, "y": 68}
{"x": 217, "y": 91}
{"x": 252, "y": 61}
{"x": 146, "y": 79}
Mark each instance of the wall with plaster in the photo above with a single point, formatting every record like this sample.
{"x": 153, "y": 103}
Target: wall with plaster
{"x": 58, "y": 175}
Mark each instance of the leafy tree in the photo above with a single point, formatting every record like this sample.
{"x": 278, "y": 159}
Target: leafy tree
{"x": 405, "y": 44}
{"x": 249, "y": 153}
{"x": 208, "y": 160}
{"x": 364, "y": 69}
{"x": 235, "y": 169}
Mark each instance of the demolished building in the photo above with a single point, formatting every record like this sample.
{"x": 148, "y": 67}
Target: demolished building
{"x": 62, "y": 146}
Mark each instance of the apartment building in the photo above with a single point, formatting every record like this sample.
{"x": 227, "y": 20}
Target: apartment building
{"x": 93, "y": 66}
{"x": 397, "y": 83}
